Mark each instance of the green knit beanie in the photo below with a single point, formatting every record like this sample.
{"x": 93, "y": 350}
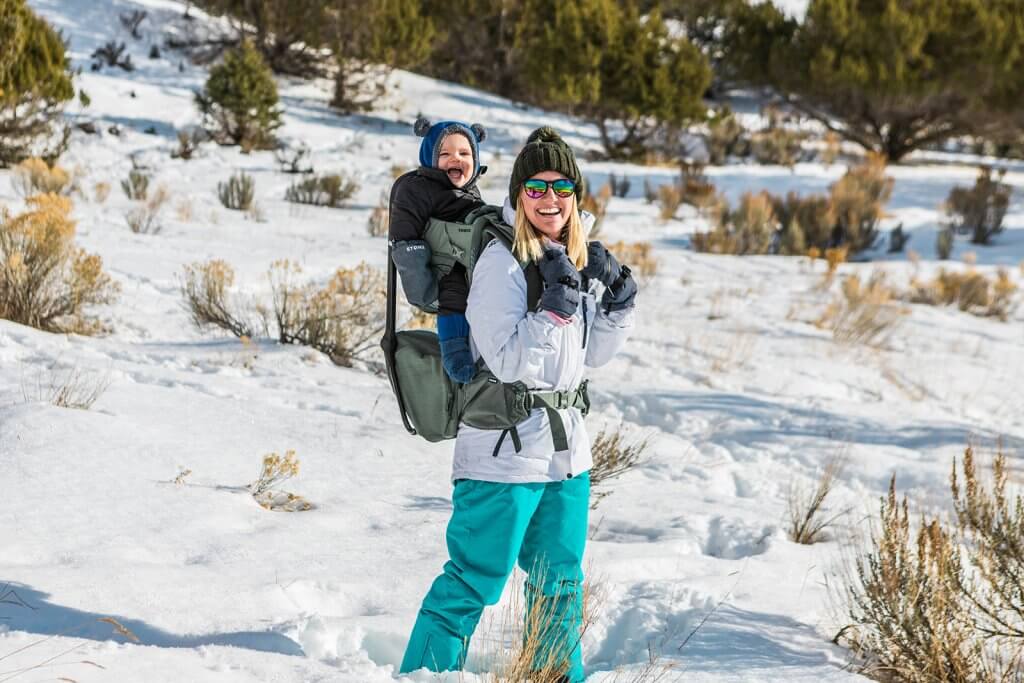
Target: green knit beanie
{"x": 545, "y": 150}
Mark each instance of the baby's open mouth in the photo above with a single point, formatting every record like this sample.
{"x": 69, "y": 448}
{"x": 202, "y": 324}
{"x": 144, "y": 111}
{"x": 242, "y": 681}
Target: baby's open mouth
{"x": 455, "y": 174}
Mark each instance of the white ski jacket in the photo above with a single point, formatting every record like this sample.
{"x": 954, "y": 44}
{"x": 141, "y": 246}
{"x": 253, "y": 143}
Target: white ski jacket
{"x": 518, "y": 345}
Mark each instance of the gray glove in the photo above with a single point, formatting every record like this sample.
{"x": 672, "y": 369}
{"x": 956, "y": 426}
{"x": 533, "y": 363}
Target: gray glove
{"x": 601, "y": 265}
{"x": 412, "y": 258}
{"x": 561, "y": 283}
{"x": 621, "y": 293}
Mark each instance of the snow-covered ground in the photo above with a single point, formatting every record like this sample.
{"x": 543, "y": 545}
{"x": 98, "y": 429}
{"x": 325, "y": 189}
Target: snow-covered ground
{"x": 740, "y": 393}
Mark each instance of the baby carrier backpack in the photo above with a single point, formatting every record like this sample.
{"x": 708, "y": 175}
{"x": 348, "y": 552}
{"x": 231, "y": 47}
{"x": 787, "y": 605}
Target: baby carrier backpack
{"x": 430, "y": 403}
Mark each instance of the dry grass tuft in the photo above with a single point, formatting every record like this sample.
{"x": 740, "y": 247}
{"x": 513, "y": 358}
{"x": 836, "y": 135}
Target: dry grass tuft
{"x": 864, "y": 313}
{"x": 380, "y": 217}
{"x": 597, "y": 205}
{"x": 614, "y": 454}
{"x": 34, "y": 176}
{"x": 807, "y": 523}
{"x": 100, "y": 191}
{"x": 65, "y": 387}
{"x": 638, "y": 256}
{"x": 45, "y": 281}
{"x": 969, "y": 290}
{"x": 145, "y": 218}
{"x": 527, "y": 645}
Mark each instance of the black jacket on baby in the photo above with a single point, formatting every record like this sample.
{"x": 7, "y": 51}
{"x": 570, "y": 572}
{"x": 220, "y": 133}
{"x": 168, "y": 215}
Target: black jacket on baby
{"x": 416, "y": 197}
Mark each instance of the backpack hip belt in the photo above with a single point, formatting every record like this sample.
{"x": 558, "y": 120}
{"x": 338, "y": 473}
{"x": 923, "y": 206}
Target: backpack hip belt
{"x": 553, "y": 401}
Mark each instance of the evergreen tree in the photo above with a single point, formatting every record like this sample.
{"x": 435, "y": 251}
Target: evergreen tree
{"x": 476, "y": 42}
{"x": 370, "y": 39}
{"x": 35, "y": 81}
{"x": 891, "y": 75}
{"x": 616, "y": 67}
{"x": 240, "y": 100}
{"x": 288, "y": 33}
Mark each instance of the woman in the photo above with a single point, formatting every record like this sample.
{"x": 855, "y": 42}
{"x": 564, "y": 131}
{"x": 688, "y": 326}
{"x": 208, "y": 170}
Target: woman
{"x": 525, "y": 499}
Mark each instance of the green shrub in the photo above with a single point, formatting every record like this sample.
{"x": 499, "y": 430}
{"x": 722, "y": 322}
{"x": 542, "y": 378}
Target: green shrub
{"x": 136, "y": 185}
{"x": 726, "y": 137}
{"x": 240, "y": 100}
{"x": 979, "y": 211}
{"x": 238, "y": 192}
{"x": 35, "y": 82}
{"x": 326, "y": 190}
{"x": 777, "y": 146}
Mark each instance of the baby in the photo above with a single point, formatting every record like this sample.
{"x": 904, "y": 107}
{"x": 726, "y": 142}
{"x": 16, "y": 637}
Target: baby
{"x": 443, "y": 187}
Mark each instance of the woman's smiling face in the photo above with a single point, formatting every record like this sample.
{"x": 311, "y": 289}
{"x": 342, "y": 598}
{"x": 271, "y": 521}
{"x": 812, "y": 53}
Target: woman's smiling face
{"x": 548, "y": 213}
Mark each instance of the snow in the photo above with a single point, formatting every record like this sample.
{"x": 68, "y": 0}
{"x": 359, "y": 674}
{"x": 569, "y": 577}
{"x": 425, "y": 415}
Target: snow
{"x": 739, "y": 392}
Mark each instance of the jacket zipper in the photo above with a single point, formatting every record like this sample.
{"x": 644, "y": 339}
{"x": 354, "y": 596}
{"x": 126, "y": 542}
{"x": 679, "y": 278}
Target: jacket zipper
{"x": 585, "y": 321}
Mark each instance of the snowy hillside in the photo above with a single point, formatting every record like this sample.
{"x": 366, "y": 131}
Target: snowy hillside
{"x": 741, "y": 394}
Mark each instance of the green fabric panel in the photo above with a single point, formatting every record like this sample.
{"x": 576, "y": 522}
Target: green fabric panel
{"x": 428, "y": 394}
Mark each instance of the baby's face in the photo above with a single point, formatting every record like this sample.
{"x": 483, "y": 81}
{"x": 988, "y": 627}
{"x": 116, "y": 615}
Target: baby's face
{"x": 456, "y": 159}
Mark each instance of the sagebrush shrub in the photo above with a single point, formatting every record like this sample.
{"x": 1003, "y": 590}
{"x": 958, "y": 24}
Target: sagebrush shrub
{"x": 276, "y": 470}
{"x": 752, "y": 228}
{"x": 597, "y": 204}
{"x": 969, "y": 290}
{"x": 205, "y": 288}
{"x": 46, "y": 281}
{"x": 979, "y": 211}
{"x": 34, "y": 176}
{"x": 331, "y": 190}
{"x": 65, "y": 387}
{"x": 340, "y": 319}
{"x": 945, "y": 603}
{"x": 858, "y": 200}
{"x": 238, "y": 192}
{"x": 944, "y": 243}
{"x": 808, "y": 220}
{"x": 726, "y": 137}
{"x": 777, "y": 145}
{"x": 136, "y": 185}
{"x": 293, "y": 159}
{"x": 638, "y": 256}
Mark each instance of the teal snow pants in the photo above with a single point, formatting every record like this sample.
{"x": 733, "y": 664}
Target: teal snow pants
{"x": 493, "y": 525}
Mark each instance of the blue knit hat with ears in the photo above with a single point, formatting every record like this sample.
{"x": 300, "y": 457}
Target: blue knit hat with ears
{"x": 434, "y": 134}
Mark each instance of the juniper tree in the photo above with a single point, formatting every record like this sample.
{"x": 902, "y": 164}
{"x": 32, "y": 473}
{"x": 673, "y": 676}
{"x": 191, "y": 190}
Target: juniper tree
{"x": 240, "y": 100}
{"x": 35, "y": 81}
{"x": 890, "y": 75}
{"x": 618, "y": 68}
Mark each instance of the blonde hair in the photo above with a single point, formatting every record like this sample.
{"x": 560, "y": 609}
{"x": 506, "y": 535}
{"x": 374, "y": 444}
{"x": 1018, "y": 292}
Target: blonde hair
{"x": 528, "y": 244}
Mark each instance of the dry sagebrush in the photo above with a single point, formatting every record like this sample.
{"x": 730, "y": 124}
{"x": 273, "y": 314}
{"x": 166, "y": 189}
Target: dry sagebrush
{"x": 340, "y": 318}
{"x": 46, "y": 281}
{"x": 942, "y": 602}
{"x": 34, "y": 176}
{"x": 969, "y": 290}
